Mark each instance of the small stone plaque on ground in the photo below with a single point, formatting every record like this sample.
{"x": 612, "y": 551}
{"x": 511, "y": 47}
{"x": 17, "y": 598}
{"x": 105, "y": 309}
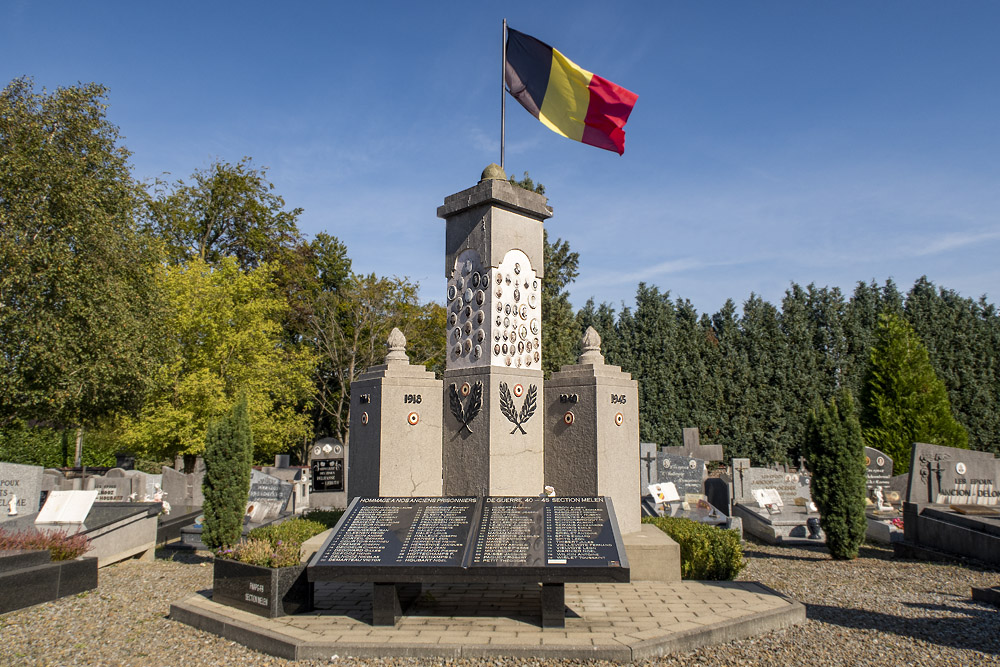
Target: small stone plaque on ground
{"x": 979, "y": 510}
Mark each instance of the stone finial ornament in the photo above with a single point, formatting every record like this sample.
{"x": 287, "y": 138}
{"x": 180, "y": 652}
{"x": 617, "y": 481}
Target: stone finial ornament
{"x": 397, "y": 346}
{"x": 493, "y": 172}
{"x": 590, "y": 347}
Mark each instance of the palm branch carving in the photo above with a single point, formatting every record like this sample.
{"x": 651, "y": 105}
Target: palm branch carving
{"x": 475, "y": 404}
{"x": 510, "y": 411}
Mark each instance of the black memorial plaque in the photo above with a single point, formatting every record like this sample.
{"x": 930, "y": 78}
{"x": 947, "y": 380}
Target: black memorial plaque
{"x": 511, "y": 533}
{"x": 328, "y": 474}
{"x": 580, "y": 533}
{"x": 400, "y": 531}
{"x": 474, "y": 539}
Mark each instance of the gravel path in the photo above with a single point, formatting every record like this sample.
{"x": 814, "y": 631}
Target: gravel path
{"x": 871, "y": 611}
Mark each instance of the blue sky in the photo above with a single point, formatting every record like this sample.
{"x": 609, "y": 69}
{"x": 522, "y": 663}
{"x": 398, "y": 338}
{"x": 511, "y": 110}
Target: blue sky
{"x": 772, "y": 142}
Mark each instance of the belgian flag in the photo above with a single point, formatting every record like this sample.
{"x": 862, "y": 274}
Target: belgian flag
{"x": 568, "y": 99}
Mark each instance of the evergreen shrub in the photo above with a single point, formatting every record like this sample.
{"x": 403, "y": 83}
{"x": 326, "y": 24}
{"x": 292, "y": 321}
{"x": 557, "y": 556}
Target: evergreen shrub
{"x": 903, "y": 401}
{"x": 228, "y": 457}
{"x": 835, "y": 451}
{"x": 708, "y": 553}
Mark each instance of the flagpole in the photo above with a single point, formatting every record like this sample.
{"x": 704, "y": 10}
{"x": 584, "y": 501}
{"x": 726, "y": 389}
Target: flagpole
{"x": 503, "y": 96}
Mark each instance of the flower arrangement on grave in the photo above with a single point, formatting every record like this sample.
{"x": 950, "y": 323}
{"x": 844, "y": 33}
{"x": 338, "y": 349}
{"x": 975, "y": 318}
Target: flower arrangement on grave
{"x": 897, "y": 522}
{"x": 61, "y": 545}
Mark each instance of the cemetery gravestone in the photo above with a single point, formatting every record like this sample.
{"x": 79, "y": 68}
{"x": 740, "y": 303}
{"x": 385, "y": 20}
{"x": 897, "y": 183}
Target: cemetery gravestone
{"x": 688, "y": 474}
{"x": 692, "y": 447}
{"x": 948, "y": 475}
{"x": 328, "y": 474}
{"x": 268, "y": 497}
{"x": 20, "y": 490}
{"x": 114, "y": 487}
{"x": 647, "y": 464}
{"x": 878, "y": 471}
{"x": 789, "y": 485}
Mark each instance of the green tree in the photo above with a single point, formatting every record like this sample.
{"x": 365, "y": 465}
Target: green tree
{"x": 350, "y": 328}
{"x": 228, "y": 457}
{"x": 903, "y": 400}
{"x": 225, "y": 332}
{"x": 836, "y": 454}
{"x": 79, "y": 304}
{"x": 560, "y": 332}
{"x": 226, "y": 210}
{"x": 957, "y": 333}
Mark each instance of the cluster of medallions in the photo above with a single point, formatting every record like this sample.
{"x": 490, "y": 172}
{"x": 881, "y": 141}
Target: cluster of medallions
{"x": 494, "y": 315}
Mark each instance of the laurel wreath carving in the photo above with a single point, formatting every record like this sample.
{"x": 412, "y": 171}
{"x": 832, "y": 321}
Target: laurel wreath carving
{"x": 475, "y": 404}
{"x": 510, "y": 411}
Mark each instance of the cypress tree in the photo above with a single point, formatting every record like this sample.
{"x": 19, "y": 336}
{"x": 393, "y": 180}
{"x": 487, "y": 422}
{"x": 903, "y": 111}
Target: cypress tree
{"x": 836, "y": 454}
{"x": 228, "y": 457}
{"x": 903, "y": 400}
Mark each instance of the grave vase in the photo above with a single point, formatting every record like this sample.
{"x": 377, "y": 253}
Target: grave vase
{"x": 266, "y": 591}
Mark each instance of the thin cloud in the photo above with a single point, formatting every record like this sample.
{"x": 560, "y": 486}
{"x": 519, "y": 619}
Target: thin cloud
{"x": 954, "y": 241}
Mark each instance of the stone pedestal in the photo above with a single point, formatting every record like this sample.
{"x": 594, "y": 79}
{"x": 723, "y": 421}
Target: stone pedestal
{"x": 486, "y": 452}
{"x": 493, "y": 410}
{"x": 592, "y": 433}
{"x": 395, "y": 429}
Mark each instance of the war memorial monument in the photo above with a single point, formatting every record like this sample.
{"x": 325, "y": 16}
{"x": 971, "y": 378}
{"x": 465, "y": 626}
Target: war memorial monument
{"x": 496, "y": 513}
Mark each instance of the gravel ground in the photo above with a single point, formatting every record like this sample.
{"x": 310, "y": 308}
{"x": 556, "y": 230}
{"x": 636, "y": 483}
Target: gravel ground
{"x": 871, "y": 611}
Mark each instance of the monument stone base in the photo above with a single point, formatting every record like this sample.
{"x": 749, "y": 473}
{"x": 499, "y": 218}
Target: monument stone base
{"x": 652, "y": 555}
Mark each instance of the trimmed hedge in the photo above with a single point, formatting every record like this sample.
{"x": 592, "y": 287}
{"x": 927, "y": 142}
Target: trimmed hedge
{"x": 708, "y": 553}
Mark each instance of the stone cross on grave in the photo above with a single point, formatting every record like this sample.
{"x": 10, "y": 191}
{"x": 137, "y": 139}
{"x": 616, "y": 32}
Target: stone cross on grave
{"x": 650, "y": 460}
{"x": 802, "y": 464}
{"x": 741, "y": 465}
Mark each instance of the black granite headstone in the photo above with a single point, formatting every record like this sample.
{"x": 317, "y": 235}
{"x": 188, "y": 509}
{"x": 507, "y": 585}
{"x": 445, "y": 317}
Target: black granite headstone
{"x": 328, "y": 474}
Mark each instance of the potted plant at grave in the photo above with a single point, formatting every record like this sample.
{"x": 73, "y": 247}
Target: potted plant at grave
{"x": 264, "y": 574}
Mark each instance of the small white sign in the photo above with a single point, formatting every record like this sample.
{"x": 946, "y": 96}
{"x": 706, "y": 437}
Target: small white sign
{"x": 664, "y": 493}
{"x": 765, "y": 497}
{"x": 67, "y": 506}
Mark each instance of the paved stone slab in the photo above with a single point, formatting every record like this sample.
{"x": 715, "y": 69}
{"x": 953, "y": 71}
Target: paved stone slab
{"x": 620, "y": 622}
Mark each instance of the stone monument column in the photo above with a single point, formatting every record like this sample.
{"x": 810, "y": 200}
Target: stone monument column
{"x": 395, "y": 445}
{"x": 493, "y": 412}
{"x": 592, "y": 432}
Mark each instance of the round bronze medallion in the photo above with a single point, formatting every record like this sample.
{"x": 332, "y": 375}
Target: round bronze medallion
{"x": 619, "y": 419}
{"x": 568, "y": 418}
{"x": 518, "y": 390}
{"x": 364, "y": 418}
{"x": 413, "y": 419}
{"x": 466, "y": 388}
